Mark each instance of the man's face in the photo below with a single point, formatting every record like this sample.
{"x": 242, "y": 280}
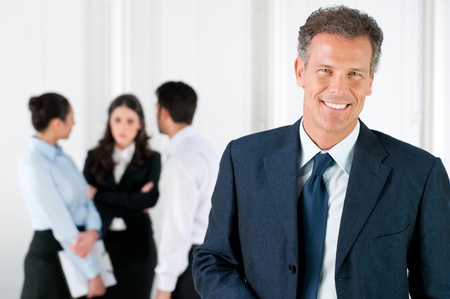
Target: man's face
{"x": 336, "y": 82}
{"x": 159, "y": 118}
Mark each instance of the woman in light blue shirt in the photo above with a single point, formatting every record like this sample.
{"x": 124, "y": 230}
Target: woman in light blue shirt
{"x": 62, "y": 215}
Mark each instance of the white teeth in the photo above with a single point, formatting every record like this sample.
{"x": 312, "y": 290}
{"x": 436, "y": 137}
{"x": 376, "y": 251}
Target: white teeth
{"x": 336, "y": 106}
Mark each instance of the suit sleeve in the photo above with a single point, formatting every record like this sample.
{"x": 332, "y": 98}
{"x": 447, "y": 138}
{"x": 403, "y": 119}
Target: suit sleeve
{"x": 136, "y": 200}
{"x": 130, "y": 200}
{"x": 88, "y": 175}
{"x": 218, "y": 268}
{"x": 429, "y": 260}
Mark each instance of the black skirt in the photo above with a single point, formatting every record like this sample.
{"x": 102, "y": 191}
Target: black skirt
{"x": 44, "y": 278}
{"x": 134, "y": 261}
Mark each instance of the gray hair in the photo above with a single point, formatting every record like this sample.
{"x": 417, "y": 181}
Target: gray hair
{"x": 343, "y": 21}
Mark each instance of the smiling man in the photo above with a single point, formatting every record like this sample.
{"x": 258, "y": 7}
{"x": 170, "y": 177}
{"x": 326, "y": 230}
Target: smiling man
{"x": 327, "y": 208}
{"x": 336, "y": 79}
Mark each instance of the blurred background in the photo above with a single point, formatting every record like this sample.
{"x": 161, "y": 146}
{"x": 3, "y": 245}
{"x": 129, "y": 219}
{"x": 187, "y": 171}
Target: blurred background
{"x": 237, "y": 54}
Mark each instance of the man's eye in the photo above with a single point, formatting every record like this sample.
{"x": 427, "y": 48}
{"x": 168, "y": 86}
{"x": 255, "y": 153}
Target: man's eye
{"x": 354, "y": 74}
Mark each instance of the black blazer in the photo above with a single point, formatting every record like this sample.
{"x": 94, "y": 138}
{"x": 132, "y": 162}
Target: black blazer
{"x": 125, "y": 199}
{"x": 396, "y": 217}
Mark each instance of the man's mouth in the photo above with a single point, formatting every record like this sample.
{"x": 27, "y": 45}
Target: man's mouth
{"x": 335, "y": 106}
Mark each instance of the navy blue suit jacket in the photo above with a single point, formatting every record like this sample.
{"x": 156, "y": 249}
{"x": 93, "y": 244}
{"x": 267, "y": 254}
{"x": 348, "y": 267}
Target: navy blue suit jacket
{"x": 394, "y": 237}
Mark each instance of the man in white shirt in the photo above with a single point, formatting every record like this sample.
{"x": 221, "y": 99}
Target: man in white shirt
{"x": 189, "y": 172}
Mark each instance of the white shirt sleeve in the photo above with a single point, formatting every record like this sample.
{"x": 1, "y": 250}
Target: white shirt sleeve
{"x": 179, "y": 200}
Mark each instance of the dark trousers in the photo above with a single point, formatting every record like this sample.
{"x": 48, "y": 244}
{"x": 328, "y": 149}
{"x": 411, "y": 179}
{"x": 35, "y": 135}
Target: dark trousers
{"x": 185, "y": 284}
{"x": 44, "y": 278}
{"x": 134, "y": 262}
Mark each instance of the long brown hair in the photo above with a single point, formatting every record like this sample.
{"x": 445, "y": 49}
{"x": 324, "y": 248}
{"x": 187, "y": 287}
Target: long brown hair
{"x": 103, "y": 164}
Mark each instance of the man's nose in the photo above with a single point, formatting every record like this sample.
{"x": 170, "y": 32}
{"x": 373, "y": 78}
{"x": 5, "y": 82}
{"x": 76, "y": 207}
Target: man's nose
{"x": 338, "y": 84}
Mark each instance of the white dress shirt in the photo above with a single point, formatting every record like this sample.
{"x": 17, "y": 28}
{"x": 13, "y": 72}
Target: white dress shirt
{"x": 121, "y": 158}
{"x": 336, "y": 180}
{"x": 189, "y": 172}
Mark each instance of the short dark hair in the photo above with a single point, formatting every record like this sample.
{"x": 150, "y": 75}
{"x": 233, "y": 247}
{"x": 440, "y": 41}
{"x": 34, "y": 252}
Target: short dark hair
{"x": 179, "y": 99}
{"x": 46, "y": 107}
{"x": 343, "y": 21}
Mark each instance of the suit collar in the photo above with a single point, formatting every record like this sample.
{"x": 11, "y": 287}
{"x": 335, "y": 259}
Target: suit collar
{"x": 125, "y": 155}
{"x": 367, "y": 178}
{"x": 342, "y": 153}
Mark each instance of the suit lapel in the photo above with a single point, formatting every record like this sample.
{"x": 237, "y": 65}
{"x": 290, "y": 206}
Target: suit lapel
{"x": 281, "y": 170}
{"x": 367, "y": 178}
{"x": 129, "y": 170}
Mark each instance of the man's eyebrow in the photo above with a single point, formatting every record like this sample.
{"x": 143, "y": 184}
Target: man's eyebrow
{"x": 360, "y": 70}
{"x": 326, "y": 66}
{"x": 353, "y": 69}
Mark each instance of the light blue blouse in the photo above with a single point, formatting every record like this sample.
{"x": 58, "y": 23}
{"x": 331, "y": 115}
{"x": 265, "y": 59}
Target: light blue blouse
{"x": 55, "y": 194}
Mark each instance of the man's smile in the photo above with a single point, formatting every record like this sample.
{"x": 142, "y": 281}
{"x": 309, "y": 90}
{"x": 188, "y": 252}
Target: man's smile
{"x": 335, "y": 106}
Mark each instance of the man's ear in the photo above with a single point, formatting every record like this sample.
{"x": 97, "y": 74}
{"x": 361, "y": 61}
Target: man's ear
{"x": 369, "y": 89}
{"x": 164, "y": 113}
{"x": 299, "y": 71}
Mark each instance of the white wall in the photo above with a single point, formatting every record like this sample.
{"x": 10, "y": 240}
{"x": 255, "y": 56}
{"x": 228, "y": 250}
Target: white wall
{"x": 237, "y": 54}
{"x": 394, "y": 106}
{"x": 42, "y": 49}
{"x": 440, "y": 88}
{"x": 205, "y": 44}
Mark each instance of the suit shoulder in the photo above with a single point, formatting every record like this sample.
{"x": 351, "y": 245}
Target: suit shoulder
{"x": 402, "y": 150}
{"x": 89, "y": 157}
{"x": 267, "y": 137}
{"x": 264, "y": 143}
{"x": 153, "y": 159}
{"x": 154, "y": 156}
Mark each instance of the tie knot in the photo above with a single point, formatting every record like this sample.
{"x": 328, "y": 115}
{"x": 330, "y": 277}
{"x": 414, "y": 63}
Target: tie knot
{"x": 321, "y": 163}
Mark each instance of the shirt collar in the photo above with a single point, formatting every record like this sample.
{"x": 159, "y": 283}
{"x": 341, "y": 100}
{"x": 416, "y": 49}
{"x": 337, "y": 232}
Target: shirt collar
{"x": 342, "y": 153}
{"x": 125, "y": 154}
{"x": 178, "y": 138}
{"x": 48, "y": 150}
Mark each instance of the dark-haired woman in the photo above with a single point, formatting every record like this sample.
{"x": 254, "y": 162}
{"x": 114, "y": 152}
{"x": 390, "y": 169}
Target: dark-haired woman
{"x": 62, "y": 215}
{"x": 123, "y": 174}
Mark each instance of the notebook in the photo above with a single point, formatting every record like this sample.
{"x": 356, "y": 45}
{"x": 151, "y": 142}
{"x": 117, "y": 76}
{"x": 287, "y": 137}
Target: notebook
{"x": 78, "y": 285}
